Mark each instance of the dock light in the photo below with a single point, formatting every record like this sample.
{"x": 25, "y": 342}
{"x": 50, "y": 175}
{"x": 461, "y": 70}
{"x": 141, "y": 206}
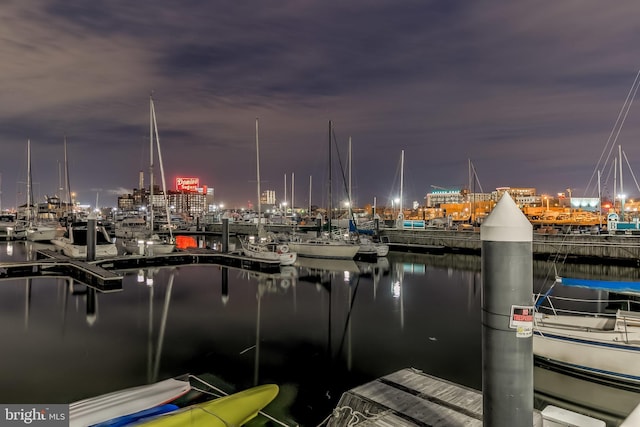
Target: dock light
{"x": 140, "y": 277}
{"x": 10, "y": 248}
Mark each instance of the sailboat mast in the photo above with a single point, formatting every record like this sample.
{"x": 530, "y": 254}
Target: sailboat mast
{"x": 258, "y": 177}
{"x": 620, "y": 157}
{"x": 151, "y": 164}
{"x": 29, "y": 193}
{"x": 330, "y": 182}
{"x": 401, "y": 182}
{"x": 350, "y": 199}
{"x": 164, "y": 183}
{"x": 66, "y": 178}
{"x": 310, "y": 182}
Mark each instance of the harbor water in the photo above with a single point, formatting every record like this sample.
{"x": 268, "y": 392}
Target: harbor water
{"x": 316, "y": 329}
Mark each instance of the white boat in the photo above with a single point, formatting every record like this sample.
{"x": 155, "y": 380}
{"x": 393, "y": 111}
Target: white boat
{"x": 32, "y": 228}
{"x": 268, "y": 251}
{"x": 131, "y": 228}
{"x": 605, "y": 345}
{"x": 73, "y": 243}
{"x": 265, "y": 247}
{"x": 323, "y": 247}
{"x": 105, "y": 407}
{"x": 43, "y": 232}
{"x": 149, "y": 245}
{"x": 381, "y": 248}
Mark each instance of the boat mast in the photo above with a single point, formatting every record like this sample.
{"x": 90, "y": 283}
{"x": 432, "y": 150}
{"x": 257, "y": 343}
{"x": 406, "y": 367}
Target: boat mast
{"x": 401, "y": 184}
{"x": 258, "y": 180}
{"x": 150, "y": 164}
{"x": 29, "y": 192}
{"x": 66, "y": 181}
{"x": 310, "y": 181}
{"x": 164, "y": 183}
{"x": 330, "y": 183}
{"x": 621, "y": 187}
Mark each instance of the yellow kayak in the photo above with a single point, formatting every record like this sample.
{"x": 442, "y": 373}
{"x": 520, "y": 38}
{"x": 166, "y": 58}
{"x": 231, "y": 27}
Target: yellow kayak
{"x": 233, "y": 410}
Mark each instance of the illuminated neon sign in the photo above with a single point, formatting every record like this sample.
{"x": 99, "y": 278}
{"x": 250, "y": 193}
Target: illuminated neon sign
{"x": 187, "y": 184}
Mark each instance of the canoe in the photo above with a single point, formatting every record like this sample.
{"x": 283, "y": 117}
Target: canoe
{"x": 105, "y": 407}
{"x": 233, "y": 410}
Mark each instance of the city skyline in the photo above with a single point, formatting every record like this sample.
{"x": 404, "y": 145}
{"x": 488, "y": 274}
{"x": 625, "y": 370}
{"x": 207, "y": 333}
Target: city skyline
{"x": 530, "y": 93}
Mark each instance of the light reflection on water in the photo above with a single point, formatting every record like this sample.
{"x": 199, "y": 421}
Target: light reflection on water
{"x": 316, "y": 329}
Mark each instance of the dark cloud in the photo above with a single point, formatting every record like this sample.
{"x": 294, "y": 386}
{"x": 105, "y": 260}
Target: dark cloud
{"x": 528, "y": 92}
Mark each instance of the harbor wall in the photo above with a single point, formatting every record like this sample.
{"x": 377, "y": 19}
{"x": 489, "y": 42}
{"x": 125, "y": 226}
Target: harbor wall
{"x": 600, "y": 248}
{"x": 605, "y": 248}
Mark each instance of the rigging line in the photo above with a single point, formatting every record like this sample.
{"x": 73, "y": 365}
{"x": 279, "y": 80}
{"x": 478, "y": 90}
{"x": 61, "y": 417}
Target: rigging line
{"x": 630, "y": 94}
{"x": 631, "y": 170}
{"x": 477, "y": 179}
{"x": 344, "y": 178}
{"x": 619, "y": 130}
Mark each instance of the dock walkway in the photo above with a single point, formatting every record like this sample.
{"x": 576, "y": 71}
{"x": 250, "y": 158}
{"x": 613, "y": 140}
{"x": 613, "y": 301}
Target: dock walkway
{"x": 408, "y": 398}
{"x": 102, "y": 274}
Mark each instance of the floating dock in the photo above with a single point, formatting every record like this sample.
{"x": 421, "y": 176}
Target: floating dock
{"x": 102, "y": 275}
{"x": 408, "y": 398}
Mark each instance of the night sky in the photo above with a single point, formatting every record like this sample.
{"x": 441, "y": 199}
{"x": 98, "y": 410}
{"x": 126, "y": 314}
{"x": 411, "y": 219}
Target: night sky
{"x": 529, "y": 92}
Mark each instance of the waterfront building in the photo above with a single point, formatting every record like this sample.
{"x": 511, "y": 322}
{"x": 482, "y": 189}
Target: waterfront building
{"x": 442, "y": 196}
{"x": 189, "y": 198}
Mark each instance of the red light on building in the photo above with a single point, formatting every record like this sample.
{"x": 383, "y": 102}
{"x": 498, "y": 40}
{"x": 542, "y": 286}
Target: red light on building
{"x": 187, "y": 184}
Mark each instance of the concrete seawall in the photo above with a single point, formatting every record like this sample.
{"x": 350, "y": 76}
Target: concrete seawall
{"x": 601, "y": 248}
{"x": 604, "y": 248}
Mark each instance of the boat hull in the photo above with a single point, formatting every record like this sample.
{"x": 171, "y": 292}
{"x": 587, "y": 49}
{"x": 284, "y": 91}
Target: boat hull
{"x": 269, "y": 252}
{"x": 43, "y": 234}
{"x": 233, "y": 410}
{"x": 123, "y": 402}
{"x": 322, "y": 250}
{"x": 592, "y": 348}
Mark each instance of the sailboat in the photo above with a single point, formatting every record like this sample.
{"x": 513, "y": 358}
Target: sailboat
{"x": 152, "y": 243}
{"x": 369, "y": 249}
{"x": 601, "y": 345}
{"x": 325, "y": 246}
{"x": 265, "y": 247}
{"x": 36, "y": 230}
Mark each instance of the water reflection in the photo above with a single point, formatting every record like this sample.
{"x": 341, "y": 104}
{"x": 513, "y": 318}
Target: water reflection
{"x": 316, "y": 328}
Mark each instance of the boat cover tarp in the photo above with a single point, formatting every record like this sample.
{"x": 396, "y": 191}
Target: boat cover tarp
{"x": 606, "y": 285}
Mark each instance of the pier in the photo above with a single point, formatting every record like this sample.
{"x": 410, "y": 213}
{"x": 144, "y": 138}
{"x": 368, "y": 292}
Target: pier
{"x": 102, "y": 275}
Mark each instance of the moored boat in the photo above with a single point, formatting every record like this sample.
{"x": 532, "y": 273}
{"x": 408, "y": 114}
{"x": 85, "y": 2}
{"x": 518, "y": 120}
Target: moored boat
{"x": 265, "y": 247}
{"x": 323, "y": 248}
{"x": 73, "y": 243}
{"x": 602, "y": 345}
{"x": 268, "y": 251}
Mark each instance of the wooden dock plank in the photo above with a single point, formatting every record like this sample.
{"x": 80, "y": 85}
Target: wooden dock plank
{"x": 439, "y": 389}
{"x": 409, "y": 398}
